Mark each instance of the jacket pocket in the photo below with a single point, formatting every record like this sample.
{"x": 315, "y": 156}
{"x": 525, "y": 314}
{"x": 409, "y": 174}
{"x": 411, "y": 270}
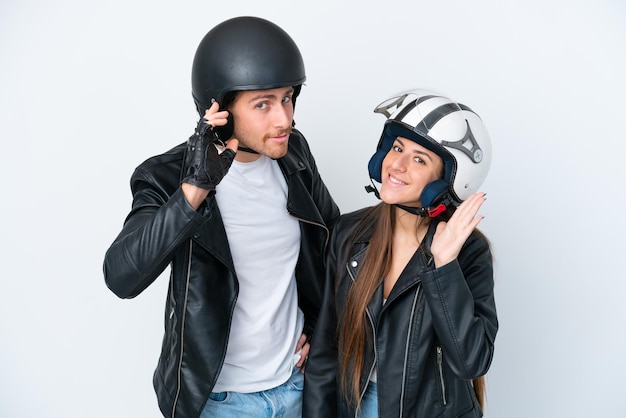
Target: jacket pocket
{"x": 442, "y": 381}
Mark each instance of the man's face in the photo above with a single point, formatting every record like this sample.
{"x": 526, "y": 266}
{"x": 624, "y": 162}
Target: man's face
{"x": 262, "y": 121}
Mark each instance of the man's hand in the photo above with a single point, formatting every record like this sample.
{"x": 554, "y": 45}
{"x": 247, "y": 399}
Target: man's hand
{"x": 204, "y": 166}
{"x": 302, "y": 346}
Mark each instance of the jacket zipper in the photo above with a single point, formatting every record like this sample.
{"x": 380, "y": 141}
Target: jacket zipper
{"x": 321, "y": 226}
{"x": 441, "y": 381}
{"x": 374, "y": 337}
{"x": 369, "y": 375}
{"x": 182, "y": 332}
{"x": 406, "y": 348}
{"x": 180, "y": 361}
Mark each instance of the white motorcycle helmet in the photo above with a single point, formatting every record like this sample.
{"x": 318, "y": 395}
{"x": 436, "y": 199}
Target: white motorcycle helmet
{"x": 451, "y": 130}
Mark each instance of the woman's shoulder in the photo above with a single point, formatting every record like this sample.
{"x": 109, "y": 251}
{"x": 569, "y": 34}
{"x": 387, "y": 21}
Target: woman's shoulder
{"x": 350, "y": 222}
{"x": 477, "y": 247}
{"x": 354, "y": 217}
{"x": 478, "y": 239}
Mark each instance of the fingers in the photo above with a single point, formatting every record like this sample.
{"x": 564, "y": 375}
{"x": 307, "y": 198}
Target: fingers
{"x": 477, "y": 201}
{"x": 467, "y": 212}
{"x": 305, "y": 350}
{"x": 212, "y": 110}
{"x": 473, "y": 202}
{"x": 304, "y": 356}
{"x": 451, "y": 235}
{"x": 301, "y": 342}
{"x": 466, "y": 218}
{"x": 303, "y": 347}
{"x": 232, "y": 144}
{"x": 214, "y": 117}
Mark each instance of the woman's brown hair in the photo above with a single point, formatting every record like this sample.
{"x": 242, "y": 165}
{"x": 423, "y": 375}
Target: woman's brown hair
{"x": 354, "y": 331}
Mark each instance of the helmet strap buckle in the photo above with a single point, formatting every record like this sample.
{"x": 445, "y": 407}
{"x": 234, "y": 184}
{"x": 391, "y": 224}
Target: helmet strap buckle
{"x": 437, "y": 210}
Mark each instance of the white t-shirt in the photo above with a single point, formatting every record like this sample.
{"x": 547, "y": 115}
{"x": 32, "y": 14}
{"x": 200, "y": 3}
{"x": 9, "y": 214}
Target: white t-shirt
{"x": 265, "y": 243}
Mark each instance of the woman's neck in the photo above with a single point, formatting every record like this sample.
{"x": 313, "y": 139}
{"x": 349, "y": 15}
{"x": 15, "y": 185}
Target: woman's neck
{"x": 409, "y": 229}
{"x": 408, "y": 232}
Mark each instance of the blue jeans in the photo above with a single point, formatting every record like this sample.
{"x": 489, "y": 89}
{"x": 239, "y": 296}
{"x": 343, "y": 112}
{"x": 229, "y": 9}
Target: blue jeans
{"x": 369, "y": 403}
{"x": 284, "y": 401}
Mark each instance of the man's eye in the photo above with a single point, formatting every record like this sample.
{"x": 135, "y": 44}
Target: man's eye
{"x": 261, "y": 105}
{"x": 286, "y": 99}
{"x": 396, "y": 148}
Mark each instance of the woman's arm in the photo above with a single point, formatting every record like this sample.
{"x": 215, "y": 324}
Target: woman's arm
{"x": 461, "y": 299}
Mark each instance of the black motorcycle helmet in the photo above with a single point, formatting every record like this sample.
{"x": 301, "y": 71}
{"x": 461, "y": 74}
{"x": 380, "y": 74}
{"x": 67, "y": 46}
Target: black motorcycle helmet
{"x": 244, "y": 53}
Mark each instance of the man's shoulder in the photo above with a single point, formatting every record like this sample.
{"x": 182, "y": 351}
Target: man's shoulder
{"x": 298, "y": 143}
{"x": 298, "y": 154}
{"x": 174, "y": 157}
{"x": 162, "y": 169}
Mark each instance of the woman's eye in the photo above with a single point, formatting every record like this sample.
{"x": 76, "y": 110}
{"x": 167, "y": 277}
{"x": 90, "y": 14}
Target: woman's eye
{"x": 396, "y": 148}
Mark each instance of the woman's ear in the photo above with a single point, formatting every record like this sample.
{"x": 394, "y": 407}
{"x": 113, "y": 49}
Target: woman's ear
{"x": 433, "y": 193}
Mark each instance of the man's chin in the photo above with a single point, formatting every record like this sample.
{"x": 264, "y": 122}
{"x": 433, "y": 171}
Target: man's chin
{"x": 277, "y": 152}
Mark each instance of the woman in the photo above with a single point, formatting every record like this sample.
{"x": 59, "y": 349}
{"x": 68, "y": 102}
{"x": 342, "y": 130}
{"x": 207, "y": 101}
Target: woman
{"x": 409, "y": 320}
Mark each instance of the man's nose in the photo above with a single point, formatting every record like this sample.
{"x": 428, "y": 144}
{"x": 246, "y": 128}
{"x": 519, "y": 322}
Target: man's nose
{"x": 282, "y": 116}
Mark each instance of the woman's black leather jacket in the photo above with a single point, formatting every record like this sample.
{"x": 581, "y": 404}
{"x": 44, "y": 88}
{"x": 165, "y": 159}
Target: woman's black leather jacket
{"x": 434, "y": 334}
{"x": 163, "y": 229}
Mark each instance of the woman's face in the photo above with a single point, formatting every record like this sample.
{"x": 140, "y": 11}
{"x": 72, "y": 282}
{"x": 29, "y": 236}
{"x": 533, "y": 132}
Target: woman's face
{"x": 407, "y": 168}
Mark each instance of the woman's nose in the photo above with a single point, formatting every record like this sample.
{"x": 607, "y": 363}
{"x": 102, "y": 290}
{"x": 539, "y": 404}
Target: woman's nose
{"x": 399, "y": 163}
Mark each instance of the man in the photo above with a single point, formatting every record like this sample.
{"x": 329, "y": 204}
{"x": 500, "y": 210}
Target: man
{"x": 246, "y": 242}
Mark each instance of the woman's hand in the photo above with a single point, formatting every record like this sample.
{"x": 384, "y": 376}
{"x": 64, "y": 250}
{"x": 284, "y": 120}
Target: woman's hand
{"x": 450, "y": 236}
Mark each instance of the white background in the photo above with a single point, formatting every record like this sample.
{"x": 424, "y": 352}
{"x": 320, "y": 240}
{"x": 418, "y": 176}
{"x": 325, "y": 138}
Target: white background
{"x": 88, "y": 90}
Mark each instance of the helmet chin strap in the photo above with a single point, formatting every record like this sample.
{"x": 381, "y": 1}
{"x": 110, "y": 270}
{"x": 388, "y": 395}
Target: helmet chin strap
{"x": 217, "y": 140}
{"x": 246, "y": 149}
{"x": 429, "y": 211}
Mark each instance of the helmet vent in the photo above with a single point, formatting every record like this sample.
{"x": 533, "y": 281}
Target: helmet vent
{"x": 474, "y": 152}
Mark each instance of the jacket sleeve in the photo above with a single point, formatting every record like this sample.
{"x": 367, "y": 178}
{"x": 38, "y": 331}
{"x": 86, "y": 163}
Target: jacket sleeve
{"x": 461, "y": 300}
{"x": 153, "y": 231}
{"x": 320, "y": 375}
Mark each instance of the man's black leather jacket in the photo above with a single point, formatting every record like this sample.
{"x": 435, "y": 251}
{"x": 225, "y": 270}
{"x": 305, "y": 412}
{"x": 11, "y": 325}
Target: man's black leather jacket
{"x": 163, "y": 229}
{"x": 434, "y": 334}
